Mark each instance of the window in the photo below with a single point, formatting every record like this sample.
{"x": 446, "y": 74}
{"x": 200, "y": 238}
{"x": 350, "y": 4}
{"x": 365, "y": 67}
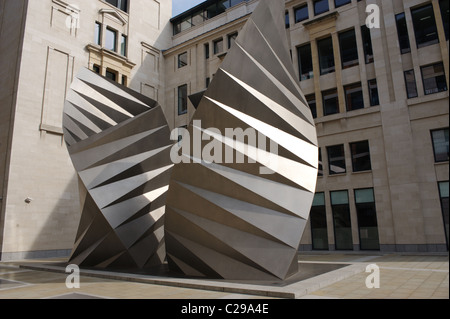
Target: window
{"x": 123, "y": 45}
{"x": 286, "y": 20}
{"x": 182, "y": 99}
{"x": 349, "y": 51}
{"x": 361, "y": 156}
{"x": 373, "y": 92}
{"x": 443, "y": 194}
{"x": 339, "y": 3}
{"x": 367, "y": 219}
{"x": 330, "y": 102}
{"x": 111, "y": 39}
{"x": 318, "y": 218}
{"x": 305, "y": 62}
{"x": 111, "y": 75}
{"x": 121, "y": 4}
{"x": 182, "y": 60}
{"x": 218, "y": 46}
{"x": 326, "y": 56}
{"x": 207, "y": 51}
{"x": 354, "y": 97}
{"x": 410, "y": 81}
{"x": 440, "y": 145}
{"x": 443, "y": 4}
{"x": 207, "y": 82}
{"x": 124, "y": 80}
{"x": 336, "y": 159}
{"x": 433, "y": 78}
{"x": 424, "y": 26}
{"x": 402, "y": 31}
{"x": 320, "y": 174}
{"x": 232, "y": 39}
{"x": 311, "y": 99}
{"x": 301, "y": 13}
{"x": 341, "y": 220}
{"x": 96, "y": 69}
{"x": 320, "y": 6}
{"x": 367, "y": 44}
{"x": 198, "y": 18}
{"x": 98, "y": 33}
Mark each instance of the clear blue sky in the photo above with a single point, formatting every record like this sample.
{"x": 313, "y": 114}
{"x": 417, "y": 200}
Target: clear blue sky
{"x": 180, "y": 6}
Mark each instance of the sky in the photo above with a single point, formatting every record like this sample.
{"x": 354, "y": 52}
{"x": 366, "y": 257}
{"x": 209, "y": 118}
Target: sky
{"x": 179, "y": 6}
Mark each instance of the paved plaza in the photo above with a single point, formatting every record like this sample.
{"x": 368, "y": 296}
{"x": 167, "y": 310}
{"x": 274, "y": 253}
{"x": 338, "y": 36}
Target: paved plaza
{"x": 401, "y": 277}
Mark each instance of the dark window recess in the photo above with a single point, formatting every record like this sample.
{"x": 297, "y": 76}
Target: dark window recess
{"x": 373, "y": 92}
{"x": 320, "y": 163}
{"x": 410, "y": 82}
{"x": 111, "y": 75}
{"x": 305, "y": 62}
{"x": 121, "y": 4}
{"x": 361, "y": 156}
{"x": 232, "y": 39}
{"x": 367, "y": 44}
{"x": 367, "y": 219}
{"x": 440, "y": 145}
{"x": 286, "y": 20}
{"x": 326, "y": 56}
{"x": 349, "y": 51}
{"x": 218, "y": 46}
{"x": 354, "y": 97}
{"x": 424, "y": 26}
{"x": 443, "y": 194}
{"x": 301, "y": 13}
{"x": 320, "y": 6}
{"x": 443, "y": 4}
{"x": 341, "y": 220}
{"x": 182, "y": 60}
{"x": 311, "y": 99}
{"x": 339, "y": 3}
{"x": 123, "y": 45}
{"x": 433, "y": 77}
{"x": 96, "y": 69}
{"x": 318, "y": 218}
{"x": 182, "y": 99}
{"x": 330, "y": 102}
{"x": 336, "y": 159}
{"x": 98, "y": 33}
{"x": 207, "y": 51}
{"x": 402, "y": 31}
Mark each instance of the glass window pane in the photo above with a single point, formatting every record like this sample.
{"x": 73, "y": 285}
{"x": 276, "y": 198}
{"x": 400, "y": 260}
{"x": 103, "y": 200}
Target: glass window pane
{"x": 338, "y": 3}
{"x": 433, "y": 77}
{"x": 349, "y": 51}
{"x": 402, "y": 30}
{"x": 443, "y": 192}
{"x": 336, "y": 159}
{"x": 361, "y": 156}
{"x": 182, "y": 99}
{"x": 232, "y": 39}
{"x": 305, "y": 62}
{"x": 441, "y": 145}
{"x": 367, "y": 219}
{"x": 330, "y": 102}
{"x": 198, "y": 18}
{"x": 354, "y": 97}
{"x": 318, "y": 218}
{"x": 218, "y": 46}
{"x": 311, "y": 99}
{"x": 341, "y": 220}
{"x": 301, "y": 13}
{"x": 123, "y": 45}
{"x": 320, "y": 6}
{"x": 110, "y": 41}
{"x": 320, "y": 163}
{"x": 182, "y": 60}
{"x": 111, "y": 75}
{"x": 367, "y": 44}
{"x": 410, "y": 81}
{"x": 373, "y": 93}
{"x": 424, "y": 26}
{"x": 326, "y": 55}
{"x": 445, "y": 16}
{"x": 207, "y": 51}
{"x": 98, "y": 34}
{"x": 443, "y": 189}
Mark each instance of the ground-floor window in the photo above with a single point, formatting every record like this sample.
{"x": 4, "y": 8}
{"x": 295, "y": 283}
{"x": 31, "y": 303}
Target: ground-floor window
{"x": 341, "y": 220}
{"x": 318, "y": 219}
{"x": 443, "y": 194}
{"x": 367, "y": 219}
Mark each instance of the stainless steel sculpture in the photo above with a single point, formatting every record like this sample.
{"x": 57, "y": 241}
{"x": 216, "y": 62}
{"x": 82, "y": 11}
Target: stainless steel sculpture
{"x": 227, "y": 220}
{"x": 119, "y": 143}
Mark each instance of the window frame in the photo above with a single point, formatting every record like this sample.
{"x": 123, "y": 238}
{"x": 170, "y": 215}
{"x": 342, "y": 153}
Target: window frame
{"x": 419, "y": 29}
{"x": 215, "y": 47}
{"x": 329, "y": 69}
{"x": 316, "y": 13}
{"x": 351, "y": 86}
{"x": 330, "y": 171}
{"x": 400, "y": 22}
{"x": 181, "y": 63}
{"x": 300, "y": 64}
{"x": 406, "y": 84}
{"x": 297, "y": 9}
{"x": 335, "y": 92}
{"x": 182, "y": 108}
{"x": 436, "y": 160}
{"x": 115, "y": 33}
{"x": 423, "y": 79}
{"x": 353, "y": 157}
{"x": 354, "y": 48}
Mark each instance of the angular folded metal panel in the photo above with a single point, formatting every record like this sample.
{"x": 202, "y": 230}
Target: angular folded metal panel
{"x": 119, "y": 143}
{"x": 226, "y": 219}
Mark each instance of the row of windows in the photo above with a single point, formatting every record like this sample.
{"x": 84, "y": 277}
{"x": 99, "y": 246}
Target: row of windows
{"x": 348, "y": 48}
{"x": 360, "y": 154}
{"x": 301, "y": 13}
{"x": 424, "y": 24}
{"x": 203, "y": 14}
{"x": 354, "y": 98}
{"x": 433, "y": 79}
{"x": 110, "y": 39}
{"x": 340, "y": 205}
{"x": 111, "y": 74}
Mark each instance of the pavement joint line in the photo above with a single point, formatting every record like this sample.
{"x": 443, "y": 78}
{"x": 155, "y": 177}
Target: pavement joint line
{"x": 414, "y": 269}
